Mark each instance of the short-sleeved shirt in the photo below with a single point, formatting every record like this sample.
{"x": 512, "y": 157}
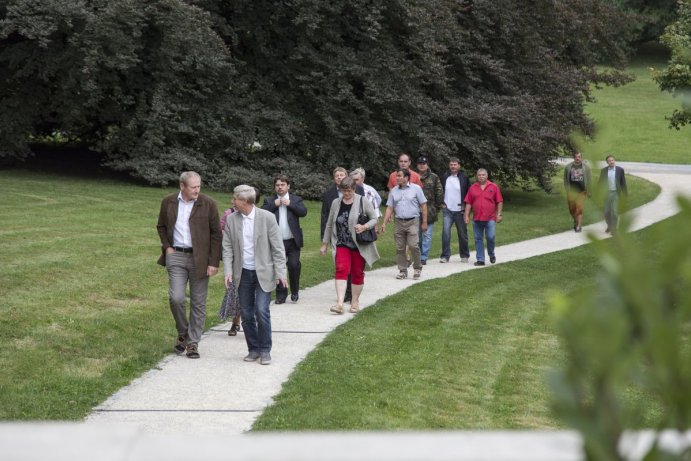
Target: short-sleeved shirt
{"x": 484, "y": 202}
{"x": 406, "y": 201}
{"x": 577, "y": 177}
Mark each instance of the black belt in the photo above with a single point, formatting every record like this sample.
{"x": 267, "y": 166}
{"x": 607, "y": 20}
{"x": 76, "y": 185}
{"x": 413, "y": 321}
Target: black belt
{"x": 183, "y": 249}
{"x": 406, "y": 219}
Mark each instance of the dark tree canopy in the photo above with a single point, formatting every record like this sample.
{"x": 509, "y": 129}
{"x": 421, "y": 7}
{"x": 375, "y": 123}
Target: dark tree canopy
{"x": 245, "y": 88}
{"x": 676, "y": 77}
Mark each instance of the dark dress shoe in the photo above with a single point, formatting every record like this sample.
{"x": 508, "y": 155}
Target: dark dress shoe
{"x": 294, "y": 297}
{"x": 479, "y": 263}
{"x": 492, "y": 259}
{"x": 280, "y": 301}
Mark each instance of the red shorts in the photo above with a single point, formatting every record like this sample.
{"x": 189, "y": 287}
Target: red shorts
{"x": 350, "y": 262}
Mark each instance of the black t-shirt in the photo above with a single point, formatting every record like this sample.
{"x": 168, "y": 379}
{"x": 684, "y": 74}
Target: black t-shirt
{"x": 343, "y": 237}
{"x": 577, "y": 177}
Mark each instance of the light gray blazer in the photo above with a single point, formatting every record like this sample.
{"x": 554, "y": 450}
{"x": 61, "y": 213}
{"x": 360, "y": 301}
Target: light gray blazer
{"x": 368, "y": 250}
{"x": 269, "y": 253}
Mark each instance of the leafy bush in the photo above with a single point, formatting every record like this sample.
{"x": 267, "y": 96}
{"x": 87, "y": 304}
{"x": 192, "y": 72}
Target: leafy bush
{"x": 628, "y": 342}
{"x": 260, "y": 170}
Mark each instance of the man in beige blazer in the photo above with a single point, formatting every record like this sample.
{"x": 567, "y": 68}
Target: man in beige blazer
{"x": 190, "y": 234}
{"x": 254, "y": 261}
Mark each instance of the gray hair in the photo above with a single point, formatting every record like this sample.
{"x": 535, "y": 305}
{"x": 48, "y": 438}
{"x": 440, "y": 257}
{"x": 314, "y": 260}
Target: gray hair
{"x": 360, "y": 171}
{"x": 245, "y": 193}
{"x": 186, "y": 176}
{"x": 347, "y": 184}
{"x": 481, "y": 169}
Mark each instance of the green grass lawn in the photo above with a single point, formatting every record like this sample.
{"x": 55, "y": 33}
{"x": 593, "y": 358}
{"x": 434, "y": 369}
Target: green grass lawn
{"x": 631, "y": 121}
{"x": 85, "y": 305}
{"x": 471, "y": 351}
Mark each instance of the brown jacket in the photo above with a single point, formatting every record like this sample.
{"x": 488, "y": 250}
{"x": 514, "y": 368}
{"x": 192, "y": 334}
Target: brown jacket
{"x": 204, "y": 226}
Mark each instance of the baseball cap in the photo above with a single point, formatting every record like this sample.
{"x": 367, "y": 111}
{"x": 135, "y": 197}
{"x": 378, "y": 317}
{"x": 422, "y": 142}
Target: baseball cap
{"x": 421, "y": 159}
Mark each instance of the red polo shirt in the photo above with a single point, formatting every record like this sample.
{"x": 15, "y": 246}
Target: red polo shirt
{"x": 484, "y": 202}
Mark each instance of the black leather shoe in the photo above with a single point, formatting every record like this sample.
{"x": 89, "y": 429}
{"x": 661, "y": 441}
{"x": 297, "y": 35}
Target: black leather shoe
{"x": 280, "y": 301}
{"x": 479, "y": 263}
{"x": 294, "y": 297}
{"x": 492, "y": 259}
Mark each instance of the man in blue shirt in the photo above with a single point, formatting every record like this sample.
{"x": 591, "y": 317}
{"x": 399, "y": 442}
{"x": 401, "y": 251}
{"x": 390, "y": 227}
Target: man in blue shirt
{"x": 407, "y": 201}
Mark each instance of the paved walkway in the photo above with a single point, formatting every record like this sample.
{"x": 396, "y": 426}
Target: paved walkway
{"x": 225, "y": 395}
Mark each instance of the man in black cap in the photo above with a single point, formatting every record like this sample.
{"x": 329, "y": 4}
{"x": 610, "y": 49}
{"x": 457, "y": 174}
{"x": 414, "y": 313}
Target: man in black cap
{"x": 434, "y": 193}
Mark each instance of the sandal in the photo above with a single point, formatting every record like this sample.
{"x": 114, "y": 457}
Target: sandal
{"x": 234, "y": 328}
{"x": 337, "y": 308}
{"x": 192, "y": 351}
{"x": 354, "y": 308}
{"x": 402, "y": 275}
{"x": 180, "y": 344}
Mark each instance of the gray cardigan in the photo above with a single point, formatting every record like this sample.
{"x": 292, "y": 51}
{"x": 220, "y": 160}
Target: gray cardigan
{"x": 368, "y": 250}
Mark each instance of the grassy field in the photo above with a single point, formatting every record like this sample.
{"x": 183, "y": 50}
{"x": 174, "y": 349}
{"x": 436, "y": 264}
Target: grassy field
{"x": 85, "y": 306}
{"x": 471, "y": 351}
{"x": 631, "y": 120}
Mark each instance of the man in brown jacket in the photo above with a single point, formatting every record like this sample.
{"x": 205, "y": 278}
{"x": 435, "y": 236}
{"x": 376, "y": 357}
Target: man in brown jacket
{"x": 190, "y": 233}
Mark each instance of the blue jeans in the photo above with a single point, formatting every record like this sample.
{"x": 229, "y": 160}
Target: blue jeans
{"x": 256, "y": 317}
{"x": 487, "y": 228}
{"x": 426, "y": 242}
{"x": 449, "y": 219}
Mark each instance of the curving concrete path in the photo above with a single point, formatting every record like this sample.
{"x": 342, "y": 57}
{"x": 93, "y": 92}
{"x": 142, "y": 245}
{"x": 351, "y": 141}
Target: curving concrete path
{"x": 222, "y": 394}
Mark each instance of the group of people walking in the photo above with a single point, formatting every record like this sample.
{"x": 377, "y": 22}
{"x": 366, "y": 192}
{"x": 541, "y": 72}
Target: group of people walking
{"x": 578, "y": 184}
{"x": 260, "y": 247}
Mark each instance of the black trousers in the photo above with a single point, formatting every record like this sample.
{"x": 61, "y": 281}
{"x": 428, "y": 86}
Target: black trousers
{"x": 294, "y": 267}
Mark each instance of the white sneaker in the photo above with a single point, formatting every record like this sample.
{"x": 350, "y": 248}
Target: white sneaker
{"x": 464, "y": 260}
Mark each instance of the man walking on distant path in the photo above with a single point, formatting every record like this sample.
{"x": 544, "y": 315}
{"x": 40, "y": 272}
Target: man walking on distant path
{"x": 455, "y": 185}
{"x": 612, "y": 177}
{"x": 254, "y": 261}
{"x": 434, "y": 193}
{"x": 408, "y": 203}
{"x": 190, "y": 233}
{"x": 577, "y": 183}
{"x": 288, "y": 209}
{"x": 484, "y": 199}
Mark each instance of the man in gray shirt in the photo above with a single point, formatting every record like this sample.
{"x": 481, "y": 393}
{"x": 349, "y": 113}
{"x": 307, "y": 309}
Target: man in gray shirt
{"x": 408, "y": 203}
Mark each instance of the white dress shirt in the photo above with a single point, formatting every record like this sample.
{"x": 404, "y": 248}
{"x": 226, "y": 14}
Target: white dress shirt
{"x": 248, "y": 240}
{"x": 182, "y": 236}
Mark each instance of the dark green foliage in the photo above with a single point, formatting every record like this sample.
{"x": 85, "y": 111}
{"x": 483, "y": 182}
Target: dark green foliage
{"x": 169, "y": 85}
{"x": 145, "y": 82}
{"x": 627, "y": 342}
{"x": 676, "y": 77}
{"x": 649, "y": 17}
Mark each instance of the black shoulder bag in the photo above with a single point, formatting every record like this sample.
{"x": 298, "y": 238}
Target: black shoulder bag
{"x": 366, "y": 236}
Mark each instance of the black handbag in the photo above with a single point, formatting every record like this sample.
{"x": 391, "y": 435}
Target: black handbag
{"x": 366, "y": 236}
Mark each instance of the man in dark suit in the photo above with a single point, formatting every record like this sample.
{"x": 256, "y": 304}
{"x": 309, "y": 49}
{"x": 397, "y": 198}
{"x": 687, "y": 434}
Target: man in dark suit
{"x": 331, "y": 194}
{"x": 612, "y": 177}
{"x": 190, "y": 234}
{"x": 288, "y": 209}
